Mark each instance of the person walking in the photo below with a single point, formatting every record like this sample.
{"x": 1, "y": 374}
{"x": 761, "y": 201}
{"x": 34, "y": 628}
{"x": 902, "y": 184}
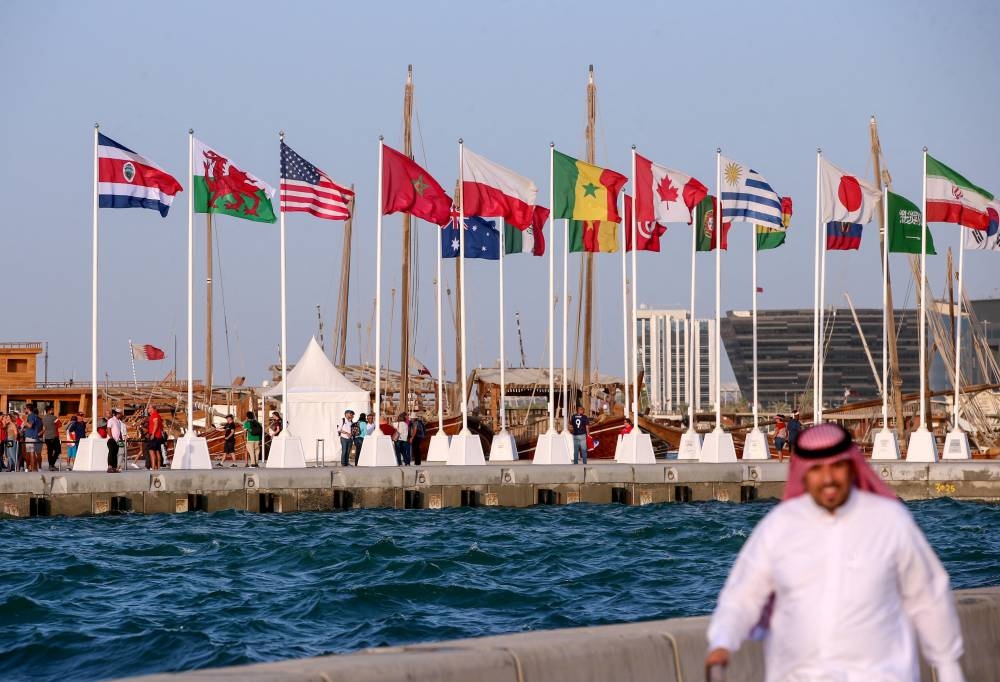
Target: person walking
{"x": 346, "y": 432}
{"x": 254, "y": 432}
{"x": 579, "y": 426}
{"x": 839, "y": 577}
{"x": 794, "y": 428}
{"x": 51, "y": 436}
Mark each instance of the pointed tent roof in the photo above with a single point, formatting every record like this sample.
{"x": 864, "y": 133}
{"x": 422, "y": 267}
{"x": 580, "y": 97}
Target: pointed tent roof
{"x": 314, "y": 373}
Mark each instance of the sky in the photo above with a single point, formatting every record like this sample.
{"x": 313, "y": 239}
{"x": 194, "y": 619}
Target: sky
{"x": 767, "y": 82}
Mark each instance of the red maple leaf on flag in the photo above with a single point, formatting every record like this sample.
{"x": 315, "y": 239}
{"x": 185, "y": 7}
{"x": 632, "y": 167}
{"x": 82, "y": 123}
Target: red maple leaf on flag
{"x": 666, "y": 191}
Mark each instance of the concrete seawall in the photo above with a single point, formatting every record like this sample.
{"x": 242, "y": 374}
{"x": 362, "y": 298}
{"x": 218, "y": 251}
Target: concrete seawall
{"x": 652, "y": 651}
{"x": 438, "y": 486}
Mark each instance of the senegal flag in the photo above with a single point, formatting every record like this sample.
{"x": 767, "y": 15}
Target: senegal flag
{"x": 595, "y": 236}
{"x": 221, "y": 187}
{"x": 583, "y": 191}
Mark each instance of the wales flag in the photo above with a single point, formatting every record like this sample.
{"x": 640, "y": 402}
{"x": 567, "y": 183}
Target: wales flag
{"x": 220, "y": 187}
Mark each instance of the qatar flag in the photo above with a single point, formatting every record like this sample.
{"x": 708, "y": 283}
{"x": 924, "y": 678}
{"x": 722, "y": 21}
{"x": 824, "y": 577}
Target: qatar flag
{"x": 144, "y": 351}
{"x": 844, "y": 197}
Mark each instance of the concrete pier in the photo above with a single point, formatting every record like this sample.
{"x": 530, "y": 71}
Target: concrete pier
{"x": 435, "y": 486}
{"x": 652, "y": 651}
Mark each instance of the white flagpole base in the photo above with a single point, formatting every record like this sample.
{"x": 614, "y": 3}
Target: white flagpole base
{"x": 466, "y": 448}
{"x": 437, "y": 449}
{"x": 922, "y": 447}
{"x": 503, "y": 448}
{"x": 718, "y": 447}
{"x": 635, "y": 448}
{"x": 551, "y": 449}
{"x": 92, "y": 454}
{"x": 690, "y": 447}
{"x": 956, "y": 445}
{"x": 755, "y": 446}
{"x": 377, "y": 451}
{"x": 190, "y": 452}
{"x": 286, "y": 453}
{"x": 885, "y": 447}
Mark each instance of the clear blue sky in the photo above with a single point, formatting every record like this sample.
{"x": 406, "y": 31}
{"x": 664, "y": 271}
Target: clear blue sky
{"x": 767, "y": 82}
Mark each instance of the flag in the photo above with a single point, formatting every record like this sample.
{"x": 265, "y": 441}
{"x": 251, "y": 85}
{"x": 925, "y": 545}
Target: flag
{"x": 420, "y": 367}
{"x": 221, "y": 187}
{"x": 988, "y": 240}
{"x": 760, "y": 290}
{"x": 409, "y": 188}
{"x": 530, "y": 240}
{"x": 843, "y": 236}
{"x": 953, "y": 199}
{"x": 771, "y": 237}
{"x": 845, "y": 198}
{"x": 127, "y": 180}
{"x": 304, "y": 187}
{"x": 490, "y": 189}
{"x": 583, "y": 191}
{"x": 904, "y": 226}
{"x": 704, "y": 225}
{"x": 647, "y": 234}
{"x": 664, "y": 195}
{"x": 594, "y": 236}
{"x": 482, "y": 239}
{"x": 747, "y": 195}
{"x": 146, "y": 352}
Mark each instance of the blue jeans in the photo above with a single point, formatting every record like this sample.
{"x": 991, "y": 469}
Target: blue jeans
{"x": 358, "y": 443}
{"x": 402, "y": 452}
{"x": 345, "y": 451}
{"x": 580, "y": 447}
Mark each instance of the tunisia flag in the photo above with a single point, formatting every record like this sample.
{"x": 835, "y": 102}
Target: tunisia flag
{"x": 664, "y": 195}
{"x": 409, "y": 188}
{"x": 647, "y": 234}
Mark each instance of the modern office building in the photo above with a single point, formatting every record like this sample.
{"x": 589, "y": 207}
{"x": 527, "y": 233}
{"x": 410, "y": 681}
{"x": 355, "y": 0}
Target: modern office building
{"x": 663, "y": 352}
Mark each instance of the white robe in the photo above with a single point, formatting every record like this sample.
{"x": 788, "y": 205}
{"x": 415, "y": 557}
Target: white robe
{"x": 850, "y": 588}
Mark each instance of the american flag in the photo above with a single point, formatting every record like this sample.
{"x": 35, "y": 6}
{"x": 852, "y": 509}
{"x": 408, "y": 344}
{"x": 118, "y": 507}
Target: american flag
{"x": 306, "y": 188}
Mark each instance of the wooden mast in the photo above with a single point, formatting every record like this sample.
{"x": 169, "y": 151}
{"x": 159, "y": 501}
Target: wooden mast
{"x": 208, "y": 320}
{"x": 338, "y": 352}
{"x": 404, "y": 320}
{"x": 587, "y": 299}
{"x": 882, "y": 177}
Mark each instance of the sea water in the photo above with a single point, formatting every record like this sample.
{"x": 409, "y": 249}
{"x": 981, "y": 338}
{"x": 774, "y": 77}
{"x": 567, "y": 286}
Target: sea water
{"x": 91, "y": 598}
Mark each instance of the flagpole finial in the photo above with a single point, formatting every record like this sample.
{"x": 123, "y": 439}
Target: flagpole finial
{"x": 96, "y": 125}
{"x": 381, "y": 138}
{"x": 460, "y": 141}
{"x": 281, "y": 135}
{"x": 819, "y": 150}
{"x": 925, "y": 150}
{"x": 873, "y": 119}
{"x": 718, "y": 150}
{"x": 552, "y": 145}
{"x": 190, "y": 131}
{"x": 633, "y": 147}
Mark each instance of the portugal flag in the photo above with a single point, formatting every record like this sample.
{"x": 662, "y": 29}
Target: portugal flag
{"x": 583, "y": 191}
{"x": 408, "y": 188}
{"x": 705, "y": 223}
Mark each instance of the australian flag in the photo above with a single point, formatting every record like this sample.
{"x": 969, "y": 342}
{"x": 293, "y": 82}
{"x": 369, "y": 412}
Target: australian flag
{"x": 843, "y": 236}
{"x": 482, "y": 239}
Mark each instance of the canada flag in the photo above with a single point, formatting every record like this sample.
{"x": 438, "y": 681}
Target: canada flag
{"x": 663, "y": 195}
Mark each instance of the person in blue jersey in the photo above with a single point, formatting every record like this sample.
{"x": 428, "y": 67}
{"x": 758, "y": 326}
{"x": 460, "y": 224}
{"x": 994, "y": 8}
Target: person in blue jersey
{"x": 579, "y": 426}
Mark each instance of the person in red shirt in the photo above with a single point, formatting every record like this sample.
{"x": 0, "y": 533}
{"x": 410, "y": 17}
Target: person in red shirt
{"x": 156, "y": 439}
{"x": 385, "y": 427}
{"x": 627, "y": 428}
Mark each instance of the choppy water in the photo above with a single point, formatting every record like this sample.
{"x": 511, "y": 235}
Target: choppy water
{"x": 90, "y": 598}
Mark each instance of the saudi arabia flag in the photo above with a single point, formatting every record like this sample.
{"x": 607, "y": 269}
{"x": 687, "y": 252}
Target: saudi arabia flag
{"x": 220, "y": 187}
{"x": 905, "y": 222}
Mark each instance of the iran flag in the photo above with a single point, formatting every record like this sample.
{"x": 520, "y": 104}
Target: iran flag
{"x": 489, "y": 189}
{"x": 663, "y": 195}
{"x": 844, "y": 197}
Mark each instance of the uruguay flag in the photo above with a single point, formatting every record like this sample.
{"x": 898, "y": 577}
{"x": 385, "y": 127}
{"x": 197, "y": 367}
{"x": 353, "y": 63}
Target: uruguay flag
{"x": 127, "y": 180}
{"x": 747, "y": 196}
{"x": 482, "y": 239}
{"x": 843, "y": 236}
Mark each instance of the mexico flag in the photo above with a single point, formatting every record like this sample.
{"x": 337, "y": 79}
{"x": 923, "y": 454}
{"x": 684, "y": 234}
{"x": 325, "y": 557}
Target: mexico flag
{"x": 489, "y": 189}
{"x": 953, "y": 199}
{"x": 530, "y": 240}
{"x": 220, "y": 187}
{"x": 663, "y": 195}
{"x": 583, "y": 191}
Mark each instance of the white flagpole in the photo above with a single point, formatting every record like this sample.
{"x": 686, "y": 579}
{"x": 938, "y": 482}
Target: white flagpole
{"x": 93, "y": 294}
{"x": 885, "y": 312}
{"x": 190, "y": 278}
{"x": 461, "y": 260}
{"x": 754, "y": 294}
{"x": 503, "y": 361}
{"x": 817, "y": 370}
{"x": 690, "y": 361}
{"x": 958, "y": 327}
{"x": 378, "y": 292}
{"x": 565, "y": 326}
{"x": 284, "y": 339}
{"x": 552, "y": 294}
{"x": 635, "y": 304}
{"x": 440, "y": 350}
{"x": 718, "y": 286}
{"x": 923, "y": 300}
{"x": 131, "y": 355}
{"x": 625, "y": 320}
{"x": 822, "y": 320}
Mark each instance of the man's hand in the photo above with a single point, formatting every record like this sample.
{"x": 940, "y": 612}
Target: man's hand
{"x": 716, "y": 657}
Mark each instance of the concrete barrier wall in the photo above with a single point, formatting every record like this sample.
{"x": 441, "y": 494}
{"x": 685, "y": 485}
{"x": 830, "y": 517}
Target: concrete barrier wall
{"x": 652, "y": 651}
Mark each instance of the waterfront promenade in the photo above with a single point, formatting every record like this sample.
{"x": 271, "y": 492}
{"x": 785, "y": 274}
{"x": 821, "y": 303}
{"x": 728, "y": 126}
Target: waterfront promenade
{"x": 436, "y": 486}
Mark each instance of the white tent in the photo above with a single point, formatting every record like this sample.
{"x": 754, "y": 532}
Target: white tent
{"x": 318, "y": 394}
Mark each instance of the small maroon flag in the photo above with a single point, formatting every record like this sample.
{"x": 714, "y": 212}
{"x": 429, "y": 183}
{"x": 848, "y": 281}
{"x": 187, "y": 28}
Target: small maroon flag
{"x": 142, "y": 351}
{"x": 760, "y": 290}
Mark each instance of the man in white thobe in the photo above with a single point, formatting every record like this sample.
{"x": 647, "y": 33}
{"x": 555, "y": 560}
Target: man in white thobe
{"x": 844, "y": 576}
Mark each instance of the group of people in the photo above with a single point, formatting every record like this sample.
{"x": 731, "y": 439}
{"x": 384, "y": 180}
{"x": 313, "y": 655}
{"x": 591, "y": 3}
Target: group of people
{"x": 407, "y": 435}
{"x": 115, "y": 433}
{"x": 258, "y": 439}
{"x": 786, "y": 432}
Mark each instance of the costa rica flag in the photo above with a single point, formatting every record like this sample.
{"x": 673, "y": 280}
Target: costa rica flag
{"x": 843, "y": 236}
{"x": 127, "y": 180}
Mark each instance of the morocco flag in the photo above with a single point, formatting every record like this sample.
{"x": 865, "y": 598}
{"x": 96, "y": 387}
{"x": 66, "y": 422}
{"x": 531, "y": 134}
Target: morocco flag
{"x": 221, "y": 187}
{"x": 583, "y": 191}
{"x": 647, "y": 234}
{"x": 664, "y": 195}
{"x": 408, "y": 188}
{"x": 953, "y": 199}
{"x": 490, "y": 189}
